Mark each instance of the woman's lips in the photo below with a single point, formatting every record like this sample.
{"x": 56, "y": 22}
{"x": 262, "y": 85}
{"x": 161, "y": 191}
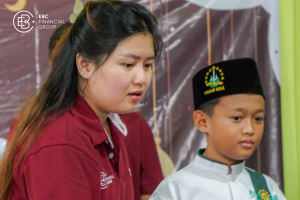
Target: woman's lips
{"x": 136, "y": 95}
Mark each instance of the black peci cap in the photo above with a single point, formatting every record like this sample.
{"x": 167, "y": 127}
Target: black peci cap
{"x": 239, "y": 76}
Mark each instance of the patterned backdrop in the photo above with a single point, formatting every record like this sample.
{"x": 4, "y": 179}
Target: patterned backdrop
{"x": 195, "y": 34}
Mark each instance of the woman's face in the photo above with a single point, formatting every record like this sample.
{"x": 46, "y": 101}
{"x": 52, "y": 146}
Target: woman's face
{"x": 120, "y": 82}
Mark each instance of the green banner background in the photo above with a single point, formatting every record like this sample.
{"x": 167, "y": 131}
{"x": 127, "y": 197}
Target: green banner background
{"x": 290, "y": 94}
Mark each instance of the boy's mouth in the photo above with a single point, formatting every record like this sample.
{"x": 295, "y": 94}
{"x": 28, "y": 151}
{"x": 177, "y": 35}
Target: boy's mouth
{"x": 247, "y": 143}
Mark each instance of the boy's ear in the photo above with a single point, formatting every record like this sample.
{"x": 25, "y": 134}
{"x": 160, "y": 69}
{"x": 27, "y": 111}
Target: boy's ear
{"x": 200, "y": 120}
{"x": 85, "y": 67}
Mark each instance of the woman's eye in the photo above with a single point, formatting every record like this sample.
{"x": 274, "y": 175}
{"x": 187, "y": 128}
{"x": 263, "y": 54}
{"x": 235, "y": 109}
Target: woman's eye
{"x": 259, "y": 119}
{"x": 237, "y": 118}
{"x": 128, "y": 65}
{"x": 149, "y": 65}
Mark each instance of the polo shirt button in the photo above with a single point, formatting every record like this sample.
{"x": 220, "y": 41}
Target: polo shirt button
{"x": 111, "y": 155}
{"x": 106, "y": 141}
{"x": 230, "y": 178}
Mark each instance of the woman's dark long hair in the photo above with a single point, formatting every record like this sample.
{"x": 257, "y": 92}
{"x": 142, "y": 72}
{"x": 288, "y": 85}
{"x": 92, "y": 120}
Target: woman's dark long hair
{"x": 97, "y": 31}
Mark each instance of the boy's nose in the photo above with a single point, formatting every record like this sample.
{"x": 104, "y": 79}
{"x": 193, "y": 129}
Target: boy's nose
{"x": 248, "y": 127}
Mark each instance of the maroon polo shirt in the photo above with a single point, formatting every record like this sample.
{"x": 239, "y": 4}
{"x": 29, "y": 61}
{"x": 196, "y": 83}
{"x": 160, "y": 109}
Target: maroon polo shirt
{"x": 142, "y": 154}
{"x": 73, "y": 160}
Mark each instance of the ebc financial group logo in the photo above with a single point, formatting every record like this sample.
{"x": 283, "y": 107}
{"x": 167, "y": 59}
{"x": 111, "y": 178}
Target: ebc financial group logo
{"x": 24, "y": 21}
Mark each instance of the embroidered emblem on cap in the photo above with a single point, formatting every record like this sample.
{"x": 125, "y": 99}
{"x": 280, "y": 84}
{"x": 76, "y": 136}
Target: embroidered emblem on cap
{"x": 214, "y": 79}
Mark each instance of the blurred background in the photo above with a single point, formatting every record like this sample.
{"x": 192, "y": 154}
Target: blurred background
{"x": 196, "y": 33}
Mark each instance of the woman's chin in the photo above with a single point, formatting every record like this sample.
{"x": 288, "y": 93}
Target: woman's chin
{"x": 130, "y": 110}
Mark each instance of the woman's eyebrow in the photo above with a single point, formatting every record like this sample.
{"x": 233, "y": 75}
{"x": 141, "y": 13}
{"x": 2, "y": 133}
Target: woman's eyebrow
{"x": 136, "y": 57}
{"x": 238, "y": 109}
{"x": 151, "y": 58}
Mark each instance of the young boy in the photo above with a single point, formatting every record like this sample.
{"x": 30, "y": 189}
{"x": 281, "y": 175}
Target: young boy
{"x": 229, "y": 110}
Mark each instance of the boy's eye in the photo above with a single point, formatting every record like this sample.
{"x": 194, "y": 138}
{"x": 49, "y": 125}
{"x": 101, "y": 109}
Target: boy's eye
{"x": 237, "y": 118}
{"x": 259, "y": 119}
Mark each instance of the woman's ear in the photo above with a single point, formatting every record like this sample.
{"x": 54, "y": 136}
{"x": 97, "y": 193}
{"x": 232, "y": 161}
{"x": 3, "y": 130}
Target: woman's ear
{"x": 201, "y": 120}
{"x": 85, "y": 68}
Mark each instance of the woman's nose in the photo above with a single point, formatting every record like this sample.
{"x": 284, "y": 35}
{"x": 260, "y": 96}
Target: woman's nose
{"x": 139, "y": 76}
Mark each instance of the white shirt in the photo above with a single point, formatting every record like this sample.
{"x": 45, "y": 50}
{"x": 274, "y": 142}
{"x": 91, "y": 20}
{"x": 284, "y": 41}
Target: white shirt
{"x": 209, "y": 180}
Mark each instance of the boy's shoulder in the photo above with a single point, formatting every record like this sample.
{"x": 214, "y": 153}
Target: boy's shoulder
{"x": 268, "y": 179}
{"x": 275, "y": 191}
{"x": 197, "y": 182}
{"x": 180, "y": 178}
{"x": 174, "y": 184}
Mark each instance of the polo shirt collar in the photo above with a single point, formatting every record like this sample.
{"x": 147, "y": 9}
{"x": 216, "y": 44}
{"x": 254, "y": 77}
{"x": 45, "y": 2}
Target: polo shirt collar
{"x": 116, "y": 120}
{"x": 216, "y": 166}
{"x": 91, "y": 125}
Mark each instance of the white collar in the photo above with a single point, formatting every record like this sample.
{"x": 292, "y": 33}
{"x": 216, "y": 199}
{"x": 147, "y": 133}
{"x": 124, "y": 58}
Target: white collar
{"x": 116, "y": 120}
{"x": 216, "y": 166}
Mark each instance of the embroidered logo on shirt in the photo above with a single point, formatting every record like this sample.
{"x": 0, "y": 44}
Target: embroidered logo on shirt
{"x": 262, "y": 195}
{"x": 105, "y": 180}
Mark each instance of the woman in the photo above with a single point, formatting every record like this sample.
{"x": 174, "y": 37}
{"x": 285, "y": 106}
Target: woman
{"x": 68, "y": 143}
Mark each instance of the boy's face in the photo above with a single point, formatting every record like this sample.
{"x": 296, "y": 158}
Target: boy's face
{"x": 235, "y": 129}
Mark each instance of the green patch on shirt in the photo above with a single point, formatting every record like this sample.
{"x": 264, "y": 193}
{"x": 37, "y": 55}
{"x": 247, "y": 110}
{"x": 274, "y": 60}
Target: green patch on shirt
{"x": 262, "y": 195}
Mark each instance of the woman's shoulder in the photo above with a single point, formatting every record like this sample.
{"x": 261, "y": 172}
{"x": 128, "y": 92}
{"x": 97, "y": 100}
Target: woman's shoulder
{"x": 64, "y": 130}
{"x": 138, "y": 128}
